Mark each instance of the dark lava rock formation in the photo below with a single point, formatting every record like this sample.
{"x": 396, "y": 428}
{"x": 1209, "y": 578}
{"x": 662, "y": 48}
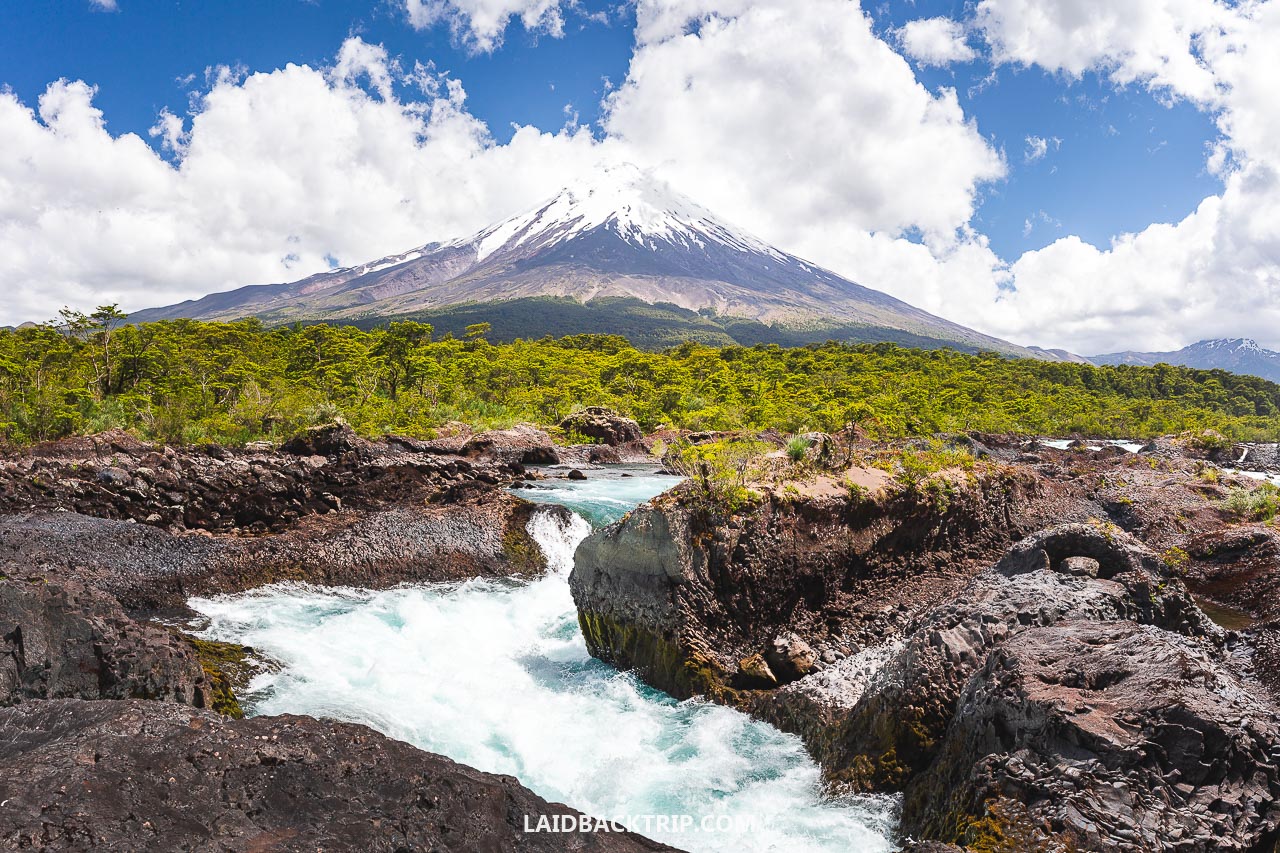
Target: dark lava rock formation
{"x": 98, "y": 533}
{"x": 139, "y": 775}
{"x": 604, "y": 425}
{"x": 1016, "y": 651}
{"x": 155, "y": 525}
{"x": 685, "y": 598}
{"x": 65, "y": 640}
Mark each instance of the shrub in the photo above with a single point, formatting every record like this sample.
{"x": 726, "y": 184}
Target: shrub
{"x": 797, "y": 446}
{"x": 915, "y": 465}
{"x": 720, "y": 471}
{"x": 1176, "y": 559}
{"x": 1259, "y": 504}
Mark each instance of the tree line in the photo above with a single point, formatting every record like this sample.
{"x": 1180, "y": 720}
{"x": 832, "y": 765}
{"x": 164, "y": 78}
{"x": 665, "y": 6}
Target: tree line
{"x": 189, "y": 382}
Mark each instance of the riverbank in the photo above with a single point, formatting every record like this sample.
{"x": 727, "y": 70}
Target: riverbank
{"x": 1010, "y": 639}
{"x": 100, "y": 536}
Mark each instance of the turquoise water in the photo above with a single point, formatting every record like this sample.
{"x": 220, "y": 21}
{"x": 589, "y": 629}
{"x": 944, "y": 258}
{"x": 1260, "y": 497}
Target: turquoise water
{"x": 495, "y": 674}
{"x": 606, "y": 496}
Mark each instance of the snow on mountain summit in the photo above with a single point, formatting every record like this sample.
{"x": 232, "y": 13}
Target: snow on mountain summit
{"x": 634, "y": 204}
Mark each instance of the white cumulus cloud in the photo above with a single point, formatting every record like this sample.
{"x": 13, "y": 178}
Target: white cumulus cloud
{"x": 794, "y": 120}
{"x": 1216, "y": 271}
{"x": 481, "y": 24}
{"x": 936, "y": 41}
{"x": 273, "y": 174}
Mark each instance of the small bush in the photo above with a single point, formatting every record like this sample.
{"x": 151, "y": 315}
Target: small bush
{"x": 797, "y": 446}
{"x": 1260, "y": 504}
{"x": 1176, "y": 559}
{"x": 721, "y": 471}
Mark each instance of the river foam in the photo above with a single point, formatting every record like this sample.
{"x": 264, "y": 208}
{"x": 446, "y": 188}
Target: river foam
{"x": 495, "y": 674}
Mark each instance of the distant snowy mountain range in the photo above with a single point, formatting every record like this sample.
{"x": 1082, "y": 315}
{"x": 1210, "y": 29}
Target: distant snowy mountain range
{"x": 1237, "y": 355}
{"x": 619, "y": 244}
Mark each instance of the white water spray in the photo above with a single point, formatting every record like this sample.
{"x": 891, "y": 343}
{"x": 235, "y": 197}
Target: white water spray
{"x": 495, "y": 674}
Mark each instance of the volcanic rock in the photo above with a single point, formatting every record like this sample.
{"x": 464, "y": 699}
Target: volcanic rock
{"x": 132, "y": 775}
{"x": 603, "y": 424}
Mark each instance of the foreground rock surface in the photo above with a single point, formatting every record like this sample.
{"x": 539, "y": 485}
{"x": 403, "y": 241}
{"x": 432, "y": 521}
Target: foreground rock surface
{"x": 154, "y": 775}
{"x": 66, "y": 640}
{"x": 1028, "y": 684}
{"x": 1105, "y": 736}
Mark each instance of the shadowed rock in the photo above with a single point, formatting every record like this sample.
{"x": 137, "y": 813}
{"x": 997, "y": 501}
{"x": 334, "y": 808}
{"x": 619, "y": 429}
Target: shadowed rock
{"x": 154, "y": 775}
{"x": 66, "y": 640}
{"x": 1105, "y": 737}
{"x": 603, "y": 424}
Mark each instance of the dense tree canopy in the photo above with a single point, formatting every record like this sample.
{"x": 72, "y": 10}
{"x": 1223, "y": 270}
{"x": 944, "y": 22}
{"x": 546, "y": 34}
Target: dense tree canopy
{"x": 188, "y": 381}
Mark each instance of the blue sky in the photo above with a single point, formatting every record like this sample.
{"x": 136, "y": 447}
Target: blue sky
{"x": 1119, "y": 159}
{"x": 1078, "y": 174}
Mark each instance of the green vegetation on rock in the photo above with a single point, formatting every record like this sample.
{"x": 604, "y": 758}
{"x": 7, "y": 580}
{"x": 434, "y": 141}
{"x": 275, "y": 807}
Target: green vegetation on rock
{"x": 190, "y": 382}
{"x": 226, "y": 667}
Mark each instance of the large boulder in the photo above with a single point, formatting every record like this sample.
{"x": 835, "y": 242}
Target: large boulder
{"x": 521, "y": 445}
{"x": 66, "y": 640}
{"x": 604, "y": 425}
{"x": 1092, "y": 736}
{"x": 157, "y": 776}
{"x": 327, "y": 440}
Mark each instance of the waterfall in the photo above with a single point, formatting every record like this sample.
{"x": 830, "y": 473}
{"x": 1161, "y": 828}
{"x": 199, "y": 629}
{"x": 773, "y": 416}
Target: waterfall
{"x": 558, "y": 533}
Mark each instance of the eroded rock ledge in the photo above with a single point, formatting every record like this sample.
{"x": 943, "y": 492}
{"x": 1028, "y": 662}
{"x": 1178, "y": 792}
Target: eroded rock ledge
{"x": 122, "y": 733}
{"x": 1027, "y": 684}
{"x": 154, "y": 525}
{"x": 137, "y": 775}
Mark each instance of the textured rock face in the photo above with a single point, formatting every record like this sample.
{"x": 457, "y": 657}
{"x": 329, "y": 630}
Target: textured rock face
{"x": 520, "y": 445}
{"x": 1106, "y": 737}
{"x": 153, "y": 775}
{"x": 65, "y": 640}
{"x": 684, "y": 599}
{"x": 903, "y": 712}
{"x": 478, "y": 532}
{"x": 1071, "y": 697}
{"x": 255, "y": 490}
{"x": 603, "y": 424}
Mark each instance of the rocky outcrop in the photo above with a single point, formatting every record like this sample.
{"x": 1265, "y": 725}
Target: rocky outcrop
{"x": 1104, "y": 736}
{"x": 604, "y": 425}
{"x": 152, "y": 775}
{"x": 898, "y": 714}
{"x": 66, "y": 640}
{"x": 520, "y": 445}
{"x": 479, "y": 532}
{"x": 252, "y": 490}
{"x": 1054, "y": 691}
{"x": 684, "y": 598}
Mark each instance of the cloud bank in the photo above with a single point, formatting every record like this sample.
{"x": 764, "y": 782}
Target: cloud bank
{"x": 799, "y": 121}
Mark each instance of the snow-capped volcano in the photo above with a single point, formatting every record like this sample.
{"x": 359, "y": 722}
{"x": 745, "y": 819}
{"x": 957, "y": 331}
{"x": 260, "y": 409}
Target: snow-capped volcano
{"x": 639, "y": 209}
{"x": 623, "y": 236}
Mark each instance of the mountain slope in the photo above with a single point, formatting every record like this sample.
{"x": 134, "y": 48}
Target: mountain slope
{"x": 624, "y": 236}
{"x": 1237, "y": 355}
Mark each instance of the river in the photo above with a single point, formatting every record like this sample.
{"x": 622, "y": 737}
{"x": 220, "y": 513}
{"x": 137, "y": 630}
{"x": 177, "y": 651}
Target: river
{"x": 495, "y": 674}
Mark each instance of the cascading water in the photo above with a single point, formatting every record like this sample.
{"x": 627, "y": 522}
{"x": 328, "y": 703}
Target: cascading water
{"x": 495, "y": 674}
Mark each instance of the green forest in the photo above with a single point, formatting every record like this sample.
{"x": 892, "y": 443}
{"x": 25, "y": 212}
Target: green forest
{"x": 191, "y": 382}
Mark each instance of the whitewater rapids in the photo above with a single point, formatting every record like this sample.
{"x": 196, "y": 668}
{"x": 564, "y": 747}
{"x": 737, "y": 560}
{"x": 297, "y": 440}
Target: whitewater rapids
{"x": 495, "y": 674}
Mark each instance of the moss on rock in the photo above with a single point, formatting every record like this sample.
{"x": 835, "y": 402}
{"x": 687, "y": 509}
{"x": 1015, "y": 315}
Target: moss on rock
{"x": 227, "y": 668}
{"x": 661, "y": 662}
